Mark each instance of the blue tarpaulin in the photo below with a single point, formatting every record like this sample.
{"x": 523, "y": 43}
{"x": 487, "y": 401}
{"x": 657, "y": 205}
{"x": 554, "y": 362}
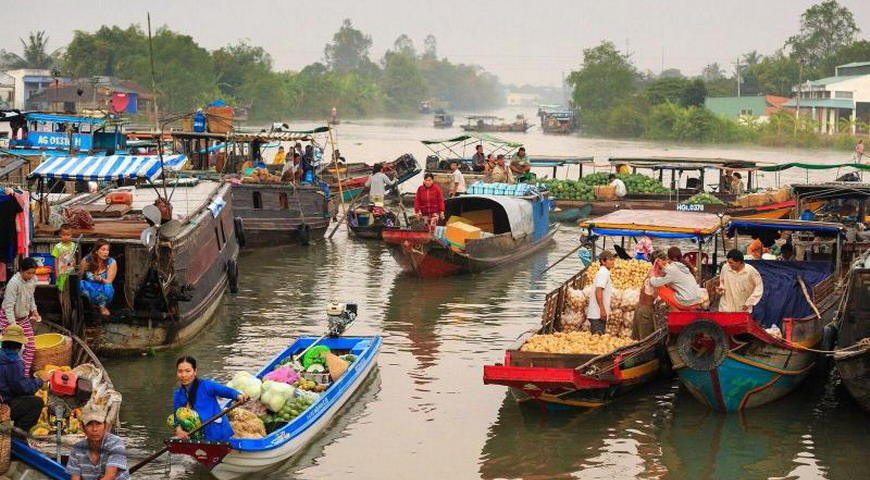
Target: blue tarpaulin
{"x": 783, "y": 297}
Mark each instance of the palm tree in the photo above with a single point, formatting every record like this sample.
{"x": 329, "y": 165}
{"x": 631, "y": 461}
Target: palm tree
{"x": 35, "y": 54}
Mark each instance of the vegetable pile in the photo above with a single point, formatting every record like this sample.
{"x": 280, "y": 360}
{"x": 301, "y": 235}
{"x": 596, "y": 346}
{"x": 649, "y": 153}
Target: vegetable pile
{"x": 101, "y": 396}
{"x": 581, "y": 189}
{"x": 574, "y": 343}
{"x": 705, "y": 198}
{"x": 622, "y": 306}
{"x": 625, "y": 273}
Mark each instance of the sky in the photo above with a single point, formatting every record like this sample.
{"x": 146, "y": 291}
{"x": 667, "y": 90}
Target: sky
{"x": 522, "y": 42}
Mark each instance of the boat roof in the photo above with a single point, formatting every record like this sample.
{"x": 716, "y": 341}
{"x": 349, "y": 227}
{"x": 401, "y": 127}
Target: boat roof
{"x": 473, "y": 138}
{"x": 482, "y": 117}
{"x": 56, "y": 118}
{"x": 107, "y": 168}
{"x": 689, "y": 162}
{"x": 812, "y": 166}
{"x": 559, "y": 160}
{"x": 744, "y": 224}
{"x": 832, "y": 190}
{"x": 654, "y": 223}
{"x": 518, "y": 210}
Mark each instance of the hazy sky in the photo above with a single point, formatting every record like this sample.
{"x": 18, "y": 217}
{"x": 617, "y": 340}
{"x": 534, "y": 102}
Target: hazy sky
{"x": 532, "y": 41}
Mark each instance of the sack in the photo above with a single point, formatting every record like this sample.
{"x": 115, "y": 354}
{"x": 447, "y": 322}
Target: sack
{"x": 604, "y": 192}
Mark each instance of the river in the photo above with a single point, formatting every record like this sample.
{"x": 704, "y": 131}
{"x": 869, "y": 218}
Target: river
{"x": 425, "y": 412}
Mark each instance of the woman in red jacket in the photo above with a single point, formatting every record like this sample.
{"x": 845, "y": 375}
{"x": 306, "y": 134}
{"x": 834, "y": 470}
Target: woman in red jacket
{"x": 429, "y": 202}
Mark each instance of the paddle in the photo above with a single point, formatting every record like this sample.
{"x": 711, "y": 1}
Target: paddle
{"x": 163, "y": 450}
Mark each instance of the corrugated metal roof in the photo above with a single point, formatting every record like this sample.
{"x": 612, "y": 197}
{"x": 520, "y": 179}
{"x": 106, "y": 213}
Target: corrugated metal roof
{"x": 736, "y": 106}
{"x": 854, "y": 64}
{"x": 828, "y": 80}
{"x": 822, "y": 103}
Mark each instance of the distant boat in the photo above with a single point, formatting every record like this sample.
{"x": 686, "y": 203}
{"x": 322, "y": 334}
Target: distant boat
{"x": 557, "y": 120}
{"x": 442, "y": 120}
{"x": 487, "y": 123}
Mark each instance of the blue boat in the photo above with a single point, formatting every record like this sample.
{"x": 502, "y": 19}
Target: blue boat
{"x": 241, "y": 456}
{"x": 32, "y": 464}
{"x": 734, "y": 361}
{"x": 53, "y": 133}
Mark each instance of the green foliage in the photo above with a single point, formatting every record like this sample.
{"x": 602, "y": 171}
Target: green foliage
{"x": 606, "y": 78}
{"x": 348, "y": 50}
{"x": 825, "y": 28}
{"x": 34, "y": 54}
{"x": 776, "y": 74}
{"x": 234, "y": 64}
{"x": 626, "y": 119}
{"x": 110, "y": 51}
{"x": 402, "y": 81}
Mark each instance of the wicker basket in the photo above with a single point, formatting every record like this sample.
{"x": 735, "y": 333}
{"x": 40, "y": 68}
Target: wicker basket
{"x": 54, "y": 352}
{"x": 5, "y": 439}
{"x": 604, "y": 192}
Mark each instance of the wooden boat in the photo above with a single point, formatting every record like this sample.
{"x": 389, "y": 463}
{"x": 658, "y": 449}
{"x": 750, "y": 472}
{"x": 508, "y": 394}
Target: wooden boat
{"x": 557, "y": 381}
{"x": 167, "y": 289}
{"x": 269, "y": 212}
{"x": 486, "y": 123}
{"x": 728, "y": 361}
{"x": 852, "y": 328}
{"x": 512, "y": 228}
{"x": 366, "y": 221}
{"x": 557, "y": 121}
{"x": 442, "y": 120}
{"x": 240, "y": 456}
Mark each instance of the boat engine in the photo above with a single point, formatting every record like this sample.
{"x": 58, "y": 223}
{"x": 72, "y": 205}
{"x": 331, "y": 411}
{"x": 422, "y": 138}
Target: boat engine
{"x": 339, "y": 316}
{"x": 66, "y": 392}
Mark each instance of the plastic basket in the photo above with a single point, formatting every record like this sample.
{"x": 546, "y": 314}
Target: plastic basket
{"x": 52, "y": 350}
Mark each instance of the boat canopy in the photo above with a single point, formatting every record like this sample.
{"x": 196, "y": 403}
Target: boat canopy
{"x": 743, "y": 225}
{"x": 654, "y": 223}
{"x": 454, "y": 148}
{"x": 832, "y": 191}
{"x": 107, "y": 168}
{"x": 50, "y": 118}
{"x": 812, "y": 166}
{"x": 473, "y": 138}
{"x": 685, "y": 162}
{"x": 509, "y": 214}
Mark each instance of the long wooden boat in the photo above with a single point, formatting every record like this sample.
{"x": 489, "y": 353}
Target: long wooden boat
{"x": 240, "y": 456}
{"x": 273, "y": 214}
{"x": 728, "y": 361}
{"x": 556, "y": 381}
{"x": 166, "y": 291}
{"x": 486, "y": 124}
{"x": 368, "y": 222}
{"x": 515, "y": 227}
{"x": 852, "y": 332}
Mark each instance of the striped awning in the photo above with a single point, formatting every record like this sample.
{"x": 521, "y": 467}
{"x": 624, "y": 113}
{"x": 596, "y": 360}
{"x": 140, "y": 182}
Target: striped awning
{"x": 106, "y": 168}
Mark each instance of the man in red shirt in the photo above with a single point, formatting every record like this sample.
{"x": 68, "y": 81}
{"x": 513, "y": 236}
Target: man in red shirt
{"x": 429, "y": 201}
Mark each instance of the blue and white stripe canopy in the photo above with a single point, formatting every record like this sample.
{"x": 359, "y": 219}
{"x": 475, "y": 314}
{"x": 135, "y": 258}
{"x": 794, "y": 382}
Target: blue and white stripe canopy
{"x": 107, "y": 168}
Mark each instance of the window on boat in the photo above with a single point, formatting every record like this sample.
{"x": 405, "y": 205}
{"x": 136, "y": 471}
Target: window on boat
{"x": 282, "y": 198}
{"x": 258, "y": 200}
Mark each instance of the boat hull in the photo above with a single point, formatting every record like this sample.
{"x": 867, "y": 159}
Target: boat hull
{"x": 273, "y": 215}
{"x": 854, "y": 369}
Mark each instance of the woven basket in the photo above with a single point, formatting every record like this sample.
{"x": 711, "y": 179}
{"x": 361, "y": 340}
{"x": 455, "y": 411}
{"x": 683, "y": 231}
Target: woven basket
{"x": 59, "y": 354}
{"x": 5, "y": 439}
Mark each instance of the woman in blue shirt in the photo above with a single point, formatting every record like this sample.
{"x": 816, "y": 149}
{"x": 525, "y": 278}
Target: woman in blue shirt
{"x": 201, "y": 395}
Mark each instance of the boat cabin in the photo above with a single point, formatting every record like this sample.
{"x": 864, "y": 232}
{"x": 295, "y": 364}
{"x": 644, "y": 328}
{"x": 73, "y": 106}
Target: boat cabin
{"x": 694, "y": 171}
{"x": 69, "y": 133}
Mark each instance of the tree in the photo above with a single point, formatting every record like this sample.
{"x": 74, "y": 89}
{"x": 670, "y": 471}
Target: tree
{"x": 34, "y": 54}
{"x": 712, "y": 72}
{"x": 402, "y": 81}
{"x": 752, "y": 58}
{"x": 666, "y": 90}
{"x": 109, "y": 51}
{"x": 694, "y": 93}
{"x": 234, "y": 64}
{"x": 404, "y": 45}
{"x": 430, "y": 47}
{"x": 825, "y": 28}
{"x": 672, "y": 73}
{"x": 858, "y": 51}
{"x": 776, "y": 74}
{"x": 348, "y": 50}
{"x": 606, "y": 78}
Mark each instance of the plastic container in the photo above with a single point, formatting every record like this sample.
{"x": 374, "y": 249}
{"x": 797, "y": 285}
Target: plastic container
{"x": 119, "y": 198}
{"x": 363, "y": 220}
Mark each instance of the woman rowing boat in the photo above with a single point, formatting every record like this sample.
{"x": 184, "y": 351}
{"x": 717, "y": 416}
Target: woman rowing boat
{"x": 201, "y": 395}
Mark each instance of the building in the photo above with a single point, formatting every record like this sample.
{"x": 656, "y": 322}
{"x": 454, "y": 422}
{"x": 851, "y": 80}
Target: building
{"x": 94, "y": 95}
{"x": 7, "y": 90}
{"x": 27, "y": 82}
{"x": 756, "y": 106}
{"x": 838, "y": 102}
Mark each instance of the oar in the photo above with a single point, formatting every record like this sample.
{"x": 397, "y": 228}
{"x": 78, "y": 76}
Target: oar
{"x": 302, "y": 354}
{"x": 163, "y": 450}
{"x": 563, "y": 258}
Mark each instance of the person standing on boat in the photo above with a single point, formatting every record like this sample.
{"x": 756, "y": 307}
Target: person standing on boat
{"x": 201, "y": 395}
{"x": 740, "y": 285}
{"x": 457, "y": 185}
{"x": 279, "y": 157}
{"x": 378, "y": 184}
{"x": 19, "y": 307}
{"x": 521, "y": 166}
{"x": 644, "y": 315}
{"x": 500, "y": 173}
{"x": 599, "y": 305}
{"x": 619, "y": 185}
{"x": 478, "y": 160}
{"x": 859, "y": 151}
{"x": 737, "y": 184}
{"x": 98, "y": 272}
{"x": 683, "y": 289}
{"x": 101, "y": 455}
{"x": 429, "y": 201}
{"x": 18, "y": 389}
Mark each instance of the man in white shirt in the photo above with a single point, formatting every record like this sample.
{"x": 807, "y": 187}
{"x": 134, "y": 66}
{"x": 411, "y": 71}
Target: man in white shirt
{"x": 457, "y": 186}
{"x": 621, "y": 191}
{"x": 740, "y": 285}
{"x": 599, "y": 305}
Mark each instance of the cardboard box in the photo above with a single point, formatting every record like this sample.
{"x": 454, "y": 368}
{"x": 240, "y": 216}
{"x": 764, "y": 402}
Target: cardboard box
{"x": 458, "y": 233}
{"x": 604, "y": 192}
{"x": 481, "y": 219}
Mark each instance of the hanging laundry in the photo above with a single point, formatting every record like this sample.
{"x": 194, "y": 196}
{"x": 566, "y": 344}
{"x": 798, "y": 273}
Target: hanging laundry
{"x": 22, "y": 222}
{"x": 9, "y": 210}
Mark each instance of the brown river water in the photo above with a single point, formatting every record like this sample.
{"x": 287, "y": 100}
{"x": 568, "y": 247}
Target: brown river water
{"x": 425, "y": 412}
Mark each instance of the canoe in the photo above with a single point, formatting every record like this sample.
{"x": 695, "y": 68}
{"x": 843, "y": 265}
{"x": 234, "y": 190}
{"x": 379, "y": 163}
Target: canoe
{"x": 510, "y": 229}
{"x": 852, "y": 329}
{"x": 240, "y": 456}
{"x": 556, "y": 381}
{"x": 364, "y": 224}
{"x": 31, "y": 464}
{"x": 729, "y": 362}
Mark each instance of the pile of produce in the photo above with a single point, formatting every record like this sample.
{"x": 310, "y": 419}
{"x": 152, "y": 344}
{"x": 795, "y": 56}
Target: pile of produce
{"x": 246, "y": 424}
{"x": 187, "y": 419}
{"x": 582, "y": 189}
{"x": 625, "y": 273}
{"x": 705, "y": 198}
{"x": 102, "y": 395}
{"x": 574, "y": 343}
{"x": 622, "y": 306}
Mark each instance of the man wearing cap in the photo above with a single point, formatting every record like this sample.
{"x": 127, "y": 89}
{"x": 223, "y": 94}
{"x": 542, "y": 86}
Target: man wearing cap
{"x": 16, "y": 389}
{"x": 19, "y": 306}
{"x": 101, "y": 456}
